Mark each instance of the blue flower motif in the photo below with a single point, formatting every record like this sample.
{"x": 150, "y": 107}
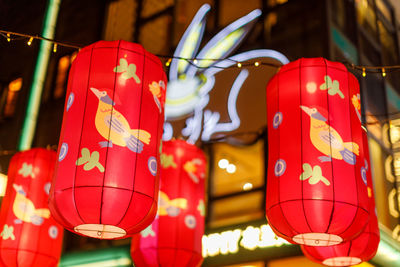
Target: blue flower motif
{"x": 190, "y": 221}
{"x": 280, "y": 167}
{"x": 152, "y": 165}
{"x": 63, "y": 151}
{"x": 53, "y": 232}
{"x": 277, "y": 120}
{"x": 71, "y": 99}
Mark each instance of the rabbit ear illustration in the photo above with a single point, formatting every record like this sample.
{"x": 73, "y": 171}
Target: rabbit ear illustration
{"x": 225, "y": 41}
{"x": 189, "y": 43}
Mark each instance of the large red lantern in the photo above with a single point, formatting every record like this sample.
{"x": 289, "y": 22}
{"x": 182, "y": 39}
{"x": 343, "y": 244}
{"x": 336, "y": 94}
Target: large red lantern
{"x": 106, "y": 177}
{"x": 363, "y": 247}
{"x": 29, "y": 235}
{"x": 315, "y": 192}
{"x": 174, "y": 238}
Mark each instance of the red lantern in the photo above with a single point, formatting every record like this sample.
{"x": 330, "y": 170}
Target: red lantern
{"x": 315, "y": 193}
{"x": 174, "y": 238}
{"x": 29, "y": 235}
{"x": 106, "y": 177}
{"x": 363, "y": 247}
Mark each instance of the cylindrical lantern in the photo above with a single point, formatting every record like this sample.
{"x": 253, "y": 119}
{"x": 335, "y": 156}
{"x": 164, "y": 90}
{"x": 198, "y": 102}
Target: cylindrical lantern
{"x": 29, "y": 236}
{"x": 363, "y": 247}
{"x": 174, "y": 238}
{"x": 315, "y": 192}
{"x": 106, "y": 177}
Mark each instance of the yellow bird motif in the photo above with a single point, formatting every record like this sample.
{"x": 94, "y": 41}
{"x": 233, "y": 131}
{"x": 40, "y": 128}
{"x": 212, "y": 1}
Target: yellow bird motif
{"x": 170, "y": 207}
{"x": 25, "y": 210}
{"x": 121, "y": 134}
{"x": 328, "y": 141}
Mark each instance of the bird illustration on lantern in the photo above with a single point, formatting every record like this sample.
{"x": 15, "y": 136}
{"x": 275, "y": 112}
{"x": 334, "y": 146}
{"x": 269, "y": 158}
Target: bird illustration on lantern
{"x": 113, "y": 119}
{"x": 174, "y": 238}
{"x": 315, "y": 192}
{"x": 29, "y": 235}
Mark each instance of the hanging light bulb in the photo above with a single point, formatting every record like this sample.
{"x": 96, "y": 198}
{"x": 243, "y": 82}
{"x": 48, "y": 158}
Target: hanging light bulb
{"x": 168, "y": 62}
{"x": 383, "y": 72}
{"x": 195, "y": 61}
{"x": 55, "y": 48}
{"x": 363, "y": 73}
{"x": 8, "y": 37}
{"x": 239, "y": 65}
{"x": 256, "y": 63}
{"x": 30, "y": 41}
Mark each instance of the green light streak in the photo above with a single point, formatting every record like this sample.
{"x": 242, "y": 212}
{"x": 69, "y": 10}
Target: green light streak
{"x": 35, "y": 94}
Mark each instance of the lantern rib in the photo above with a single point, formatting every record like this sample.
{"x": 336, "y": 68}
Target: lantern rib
{"x": 109, "y": 136}
{"x": 81, "y": 133}
{"x": 140, "y": 113}
{"x": 35, "y": 159}
{"x": 29, "y": 250}
{"x": 301, "y": 149}
{"x": 326, "y": 200}
{"x": 330, "y": 149}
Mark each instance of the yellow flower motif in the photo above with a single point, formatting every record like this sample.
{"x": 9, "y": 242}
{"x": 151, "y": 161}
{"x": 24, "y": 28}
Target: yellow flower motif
{"x": 167, "y": 161}
{"x": 356, "y": 102}
{"x": 155, "y": 89}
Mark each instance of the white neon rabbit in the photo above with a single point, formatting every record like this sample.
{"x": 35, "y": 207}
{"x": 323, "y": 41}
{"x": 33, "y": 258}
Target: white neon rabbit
{"x": 190, "y": 82}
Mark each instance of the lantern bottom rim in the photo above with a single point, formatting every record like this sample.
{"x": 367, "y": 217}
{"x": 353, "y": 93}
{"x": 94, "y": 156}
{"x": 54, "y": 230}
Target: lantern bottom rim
{"x": 342, "y": 261}
{"x": 100, "y": 231}
{"x": 317, "y": 239}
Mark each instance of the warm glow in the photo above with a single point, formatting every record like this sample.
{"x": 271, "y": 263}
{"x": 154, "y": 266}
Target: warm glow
{"x": 223, "y": 163}
{"x": 3, "y": 184}
{"x": 231, "y": 168}
{"x": 247, "y": 186}
{"x": 15, "y": 85}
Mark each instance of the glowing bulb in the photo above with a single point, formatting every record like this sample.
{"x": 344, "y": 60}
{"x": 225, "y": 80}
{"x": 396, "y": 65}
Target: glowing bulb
{"x": 30, "y": 41}
{"x": 231, "y": 168}
{"x": 168, "y": 63}
{"x": 239, "y": 65}
{"x": 256, "y": 63}
{"x": 223, "y": 163}
{"x": 195, "y": 61}
{"x": 247, "y": 186}
{"x": 8, "y": 37}
{"x": 363, "y": 73}
{"x": 383, "y": 72}
{"x": 55, "y": 48}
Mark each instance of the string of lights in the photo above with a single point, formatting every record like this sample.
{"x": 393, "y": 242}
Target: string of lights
{"x": 15, "y": 36}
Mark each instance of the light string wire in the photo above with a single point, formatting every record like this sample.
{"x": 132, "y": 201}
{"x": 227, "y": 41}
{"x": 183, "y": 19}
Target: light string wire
{"x": 15, "y": 36}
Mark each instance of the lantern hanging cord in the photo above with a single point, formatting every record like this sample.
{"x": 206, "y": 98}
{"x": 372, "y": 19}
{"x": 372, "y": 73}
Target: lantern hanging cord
{"x": 14, "y": 36}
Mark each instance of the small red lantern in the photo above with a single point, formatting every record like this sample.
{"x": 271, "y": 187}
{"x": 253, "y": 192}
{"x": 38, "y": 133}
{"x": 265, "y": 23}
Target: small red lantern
{"x": 363, "y": 247}
{"x": 29, "y": 235}
{"x": 174, "y": 238}
{"x": 315, "y": 193}
{"x": 106, "y": 177}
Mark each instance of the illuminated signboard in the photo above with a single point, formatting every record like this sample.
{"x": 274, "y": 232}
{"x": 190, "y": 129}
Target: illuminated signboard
{"x": 250, "y": 238}
{"x": 191, "y": 82}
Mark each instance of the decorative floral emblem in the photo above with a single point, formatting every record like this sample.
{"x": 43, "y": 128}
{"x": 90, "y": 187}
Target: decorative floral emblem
{"x": 8, "y": 232}
{"x": 148, "y": 232}
{"x": 71, "y": 99}
{"x": 26, "y": 170}
{"x": 63, "y": 152}
{"x": 191, "y": 168}
{"x": 332, "y": 87}
{"x": 355, "y": 100}
{"x": 277, "y": 120}
{"x": 280, "y": 167}
{"x": 128, "y": 71}
{"x": 167, "y": 161}
{"x": 201, "y": 208}
{"x": 53, "y": 232}
{"x": 152, "y": 164}
{"x": 157, "y": 90}
{"x": 314, "y": 175}
{"x": 190, "y": 221}
{"x": 89, "y": 161}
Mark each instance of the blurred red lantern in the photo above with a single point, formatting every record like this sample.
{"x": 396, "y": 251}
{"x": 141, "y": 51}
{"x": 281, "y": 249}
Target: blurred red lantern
{"x": 315, "y": 193}
{"x": 106, "y": 177}
{"x": 174, "y": 238}
{"x": 29, "y": 235}
{"x": 363, "y": 247}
